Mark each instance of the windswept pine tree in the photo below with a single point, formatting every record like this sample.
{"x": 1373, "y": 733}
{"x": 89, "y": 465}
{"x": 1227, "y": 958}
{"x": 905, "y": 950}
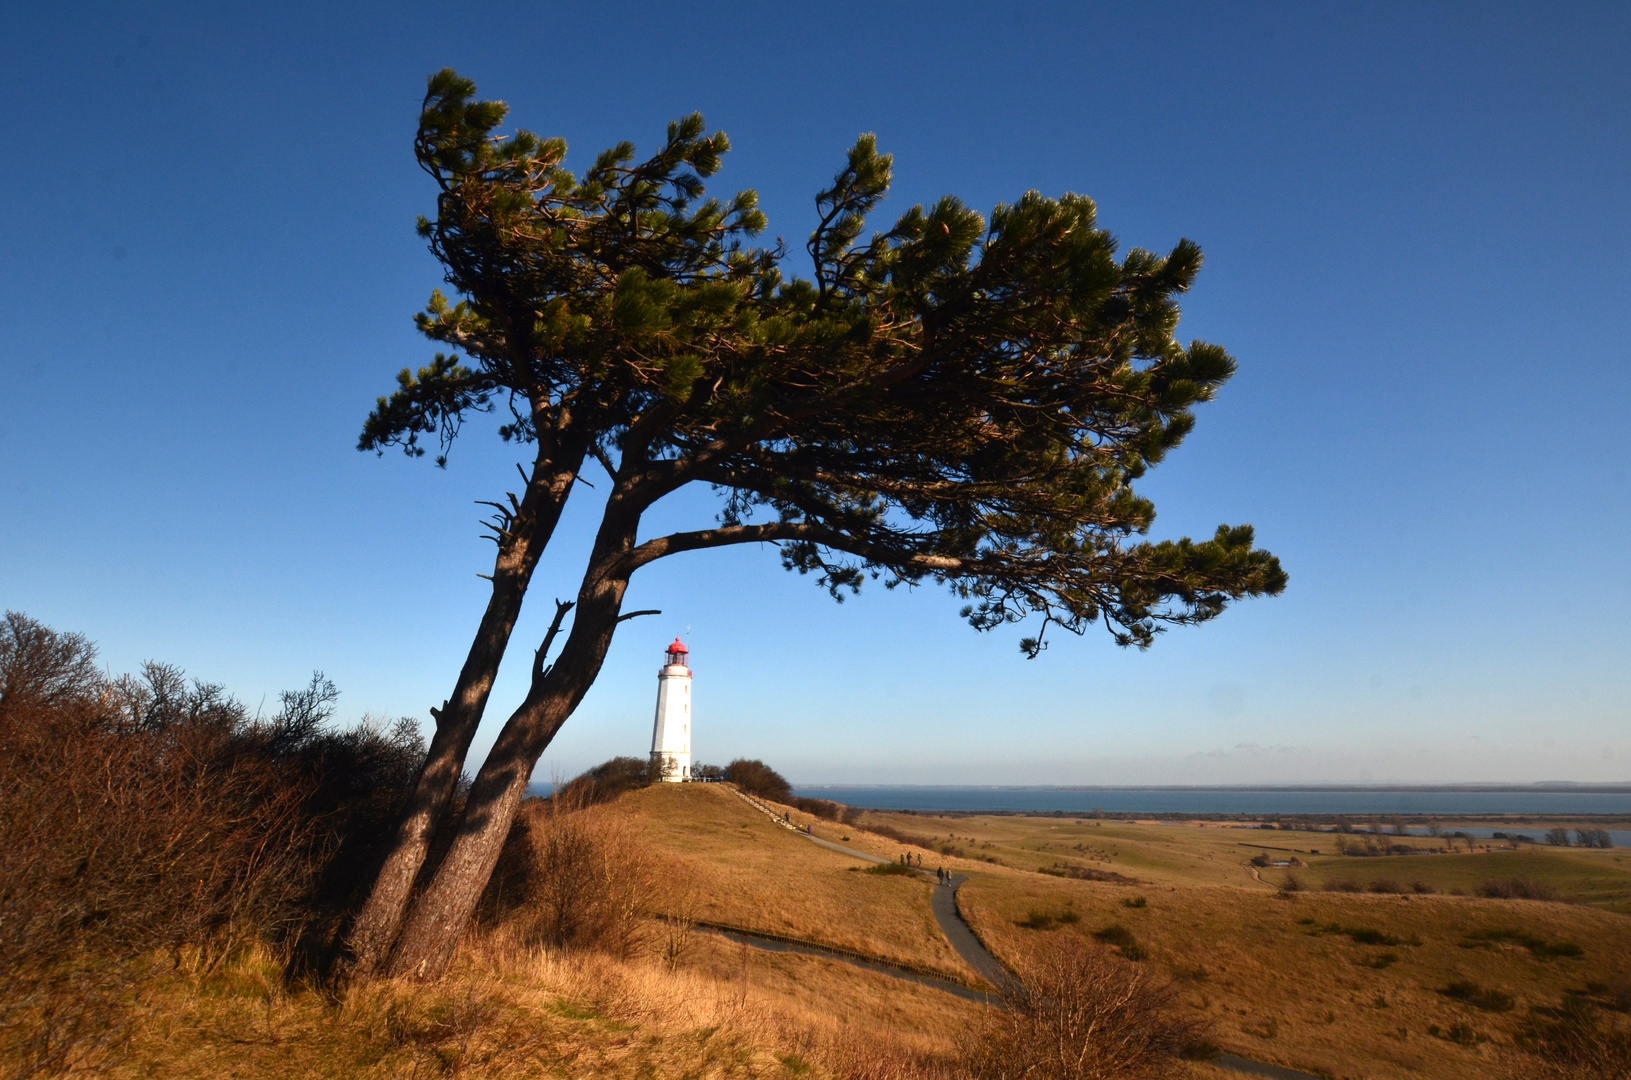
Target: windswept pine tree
{"x": 953, "y": 399}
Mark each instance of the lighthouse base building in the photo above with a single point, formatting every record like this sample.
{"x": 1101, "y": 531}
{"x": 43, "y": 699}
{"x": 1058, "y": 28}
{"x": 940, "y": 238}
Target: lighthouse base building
{"x": 671, "y": 732}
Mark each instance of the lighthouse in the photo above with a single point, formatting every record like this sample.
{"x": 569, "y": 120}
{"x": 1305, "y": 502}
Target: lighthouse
{"x": 671, "y": 733}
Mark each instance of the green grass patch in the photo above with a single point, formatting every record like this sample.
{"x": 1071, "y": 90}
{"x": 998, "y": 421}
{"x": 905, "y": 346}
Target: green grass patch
{"x": 891, "y": 869}
{"x": 1122, "y": 938}
{"x": 1479, "y": 997}
{"x": 1038, "y": 919}
{"x": 1362, "y": 935}
{"x": 1572, "y": 874}
{"x": 1539, "y": 947}
{"x": 572, "y": 1012}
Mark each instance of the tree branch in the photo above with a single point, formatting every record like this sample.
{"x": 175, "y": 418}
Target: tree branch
{"x": 538, "y": 669}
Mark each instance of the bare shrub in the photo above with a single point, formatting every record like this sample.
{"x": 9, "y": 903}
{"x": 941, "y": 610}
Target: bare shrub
{"x": 855, "y": 1057}
{"x": 1083, "y": 1015}
{"x": 150, "y": 812}
{"x": 1573, "y": 1042}
{"x": 1516, "y": 889}
{"x": 571, "y": 877}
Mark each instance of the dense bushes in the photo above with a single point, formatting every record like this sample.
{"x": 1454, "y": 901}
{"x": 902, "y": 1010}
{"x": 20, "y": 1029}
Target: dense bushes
{"x": 757, "y": 778}
{"x": 605, "y": 782}
{"x": 151, "y": 813}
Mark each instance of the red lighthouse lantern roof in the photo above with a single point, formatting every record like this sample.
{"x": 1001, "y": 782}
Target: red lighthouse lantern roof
{"x": 678, "y": 647}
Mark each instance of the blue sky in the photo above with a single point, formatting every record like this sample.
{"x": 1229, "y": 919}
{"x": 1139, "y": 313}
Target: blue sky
{"x": 1415, "y": 217}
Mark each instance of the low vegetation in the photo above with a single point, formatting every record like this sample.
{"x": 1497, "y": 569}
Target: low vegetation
{"x": 1538, "y": 946}
{"x": 1480, "y": 997}
{"x": 1083, "y": 1015}
{"x": 1517, "y": 889}
{"x": 147, "y": 822}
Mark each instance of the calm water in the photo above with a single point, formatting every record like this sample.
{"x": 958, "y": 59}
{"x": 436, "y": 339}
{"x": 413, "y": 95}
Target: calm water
{"x": 1229, "y": 800}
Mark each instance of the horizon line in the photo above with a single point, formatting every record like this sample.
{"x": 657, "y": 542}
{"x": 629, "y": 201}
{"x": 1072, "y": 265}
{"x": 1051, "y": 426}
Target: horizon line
{"x": 1608, "y": 787}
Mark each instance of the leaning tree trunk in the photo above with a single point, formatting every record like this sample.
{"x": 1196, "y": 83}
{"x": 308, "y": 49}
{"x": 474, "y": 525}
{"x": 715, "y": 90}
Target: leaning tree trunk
{"x": 520, "y": 547}
{"x": 439, "y": 916}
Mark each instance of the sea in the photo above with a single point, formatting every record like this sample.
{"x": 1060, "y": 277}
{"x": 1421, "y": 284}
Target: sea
{"x": 1442, "y": 802}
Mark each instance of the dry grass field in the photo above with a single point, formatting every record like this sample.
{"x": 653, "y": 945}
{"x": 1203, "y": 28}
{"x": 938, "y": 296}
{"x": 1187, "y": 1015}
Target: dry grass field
{"x": 514, "y": 1013}
{"x": 1339, "y": 984}
{"x": 738, "y": 868}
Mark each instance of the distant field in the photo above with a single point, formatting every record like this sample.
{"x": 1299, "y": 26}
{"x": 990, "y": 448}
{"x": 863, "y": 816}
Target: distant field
{"x": 1348, "y": 984}
{"x": 1337, "y": 983}
{"x": 1601, "y": 878}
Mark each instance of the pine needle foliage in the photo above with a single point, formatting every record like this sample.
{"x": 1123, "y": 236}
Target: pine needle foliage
{"x": 955, "y": 398}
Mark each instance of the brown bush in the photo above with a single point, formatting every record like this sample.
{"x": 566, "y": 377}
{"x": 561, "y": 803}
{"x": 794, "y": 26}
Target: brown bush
{"x": 1572, "y": 1042}
{"x": 825, "y": 809}
{"x": 571, "y": 876}
{"x": 1082, "y": 1015}
{"x": 1516, "y": 889}
{"x": 605, "y": 782}
{"x": 150, "y": 813}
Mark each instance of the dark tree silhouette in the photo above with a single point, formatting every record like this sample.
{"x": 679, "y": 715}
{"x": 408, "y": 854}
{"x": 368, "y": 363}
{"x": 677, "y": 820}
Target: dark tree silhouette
{"x": 757, "y": 778}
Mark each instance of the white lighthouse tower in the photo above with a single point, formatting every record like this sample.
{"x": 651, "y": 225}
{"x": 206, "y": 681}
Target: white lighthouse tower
{"x": 671, "y": 733}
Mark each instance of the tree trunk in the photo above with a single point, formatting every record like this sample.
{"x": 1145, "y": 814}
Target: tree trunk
{"x": 376, "y": 925}
{"x": 432, "y": 930}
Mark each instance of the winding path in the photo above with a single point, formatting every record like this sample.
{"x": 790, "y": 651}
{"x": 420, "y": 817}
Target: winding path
{"x": 943, "y": 902}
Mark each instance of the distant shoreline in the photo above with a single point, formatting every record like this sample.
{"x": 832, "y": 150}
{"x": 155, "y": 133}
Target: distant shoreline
{"x": 1329, "y": 801}
{"x": 1619, "y": 788}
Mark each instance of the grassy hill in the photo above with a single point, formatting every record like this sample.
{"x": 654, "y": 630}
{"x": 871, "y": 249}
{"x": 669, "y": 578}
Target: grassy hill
{"x": 1340, "y": 984}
